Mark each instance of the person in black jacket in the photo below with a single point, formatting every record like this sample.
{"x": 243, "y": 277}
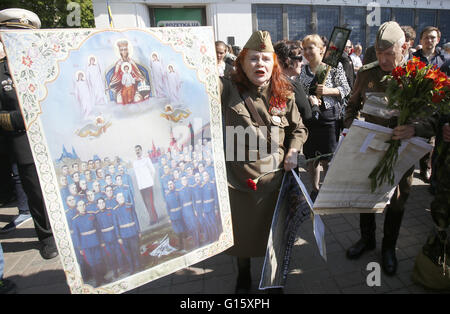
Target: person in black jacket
{"x": 12, "y": 129}
{"x": 288, "y": 53}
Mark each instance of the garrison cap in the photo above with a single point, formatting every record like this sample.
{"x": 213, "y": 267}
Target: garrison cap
{"x": 19, "y": 18}
{"x": 388, "y": 34}
{"x": 260, "y": 41}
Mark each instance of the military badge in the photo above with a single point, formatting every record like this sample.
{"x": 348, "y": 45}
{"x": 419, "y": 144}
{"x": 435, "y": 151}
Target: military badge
{"x": 370, "y": 85}
{"x": 277, "y": 107}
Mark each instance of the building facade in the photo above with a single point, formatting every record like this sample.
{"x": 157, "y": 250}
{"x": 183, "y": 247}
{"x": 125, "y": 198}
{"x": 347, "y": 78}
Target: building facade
{"x": 233, "y": 21}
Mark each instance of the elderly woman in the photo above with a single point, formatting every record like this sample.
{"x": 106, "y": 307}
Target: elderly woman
{"x": 328, "y": 95}
{"x": 258, "y": 97}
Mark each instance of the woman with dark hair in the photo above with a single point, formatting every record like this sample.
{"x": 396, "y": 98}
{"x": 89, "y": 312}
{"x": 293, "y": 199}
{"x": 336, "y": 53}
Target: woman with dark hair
{"x": 258, "y": 95}
{"x": 289, "y": 57}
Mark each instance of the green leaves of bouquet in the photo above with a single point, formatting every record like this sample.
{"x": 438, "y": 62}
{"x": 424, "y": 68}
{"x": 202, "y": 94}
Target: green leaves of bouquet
{"x": 416, "y": 90}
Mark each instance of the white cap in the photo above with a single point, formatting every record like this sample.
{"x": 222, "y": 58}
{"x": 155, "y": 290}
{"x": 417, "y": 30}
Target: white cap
{"x": 19, "y": 18}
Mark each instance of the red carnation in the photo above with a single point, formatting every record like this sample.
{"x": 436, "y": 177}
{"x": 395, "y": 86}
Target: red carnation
{"x": 251, "y": 184}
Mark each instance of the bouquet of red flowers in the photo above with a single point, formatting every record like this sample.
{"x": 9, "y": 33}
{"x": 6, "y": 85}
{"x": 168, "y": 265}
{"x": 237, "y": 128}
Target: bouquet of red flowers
{"x": 415, "y": 90}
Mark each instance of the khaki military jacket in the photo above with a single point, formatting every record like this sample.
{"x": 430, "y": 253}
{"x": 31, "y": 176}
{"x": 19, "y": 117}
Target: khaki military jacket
{"x": 368, "y": 80}
{"x": 245, "y": 159}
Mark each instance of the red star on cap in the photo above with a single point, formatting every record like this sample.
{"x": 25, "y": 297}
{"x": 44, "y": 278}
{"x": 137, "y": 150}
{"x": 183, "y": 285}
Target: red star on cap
{"x": 263, "y": 46}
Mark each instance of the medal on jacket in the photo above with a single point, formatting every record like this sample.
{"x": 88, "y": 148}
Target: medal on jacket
{"x": 7, "y": 85}
{"x": 277, "y": 108}
{"x": 276, "y": 119}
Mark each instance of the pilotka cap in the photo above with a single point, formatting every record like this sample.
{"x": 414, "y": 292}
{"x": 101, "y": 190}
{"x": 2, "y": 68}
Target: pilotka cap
{"x": 388, "y": 34}
{"x": 260, "y": 41}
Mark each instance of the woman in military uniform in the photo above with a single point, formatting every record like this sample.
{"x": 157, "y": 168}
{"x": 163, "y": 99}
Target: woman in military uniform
{"x": 257, "y": 96}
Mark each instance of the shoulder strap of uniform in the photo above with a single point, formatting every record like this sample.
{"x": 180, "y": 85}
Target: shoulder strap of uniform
{"x": 369, "y": 66}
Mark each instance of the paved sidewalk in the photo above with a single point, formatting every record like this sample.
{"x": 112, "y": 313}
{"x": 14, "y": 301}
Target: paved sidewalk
{"x": 309, "y": 273}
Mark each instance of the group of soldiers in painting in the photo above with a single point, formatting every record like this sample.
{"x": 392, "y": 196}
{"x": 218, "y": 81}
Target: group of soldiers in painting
{"x": 100, "y": 208}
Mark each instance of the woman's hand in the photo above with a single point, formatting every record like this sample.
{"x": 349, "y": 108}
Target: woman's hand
{"x": 314, "y": 101}
{"x": 322, "y": 90}
{"x": 290, "y": 160}
{"x": 403, "y": 132}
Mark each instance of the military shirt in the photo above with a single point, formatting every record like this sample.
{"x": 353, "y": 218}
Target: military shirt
{"x": 291, "y": 134}
{"x": 85, "y": 231}
{"x": 173, "y": 205}
{"x": 209, "y": 196}
{"x": 106, "y": 225}
{"x": 368, "y": 80}
{"x": 198, "y": 197}
{"x": 126, "y": 220}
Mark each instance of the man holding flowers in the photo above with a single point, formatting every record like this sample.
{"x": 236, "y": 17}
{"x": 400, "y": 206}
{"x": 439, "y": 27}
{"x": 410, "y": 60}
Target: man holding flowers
{"x": 390, "y": 50}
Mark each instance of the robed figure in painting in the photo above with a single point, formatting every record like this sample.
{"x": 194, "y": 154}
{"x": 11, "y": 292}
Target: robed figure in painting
{"x": 95, "y": 81}
{"x": 116, "y": 80}
{"x": 82, "y": 95}
{"x": 158, "y": 76}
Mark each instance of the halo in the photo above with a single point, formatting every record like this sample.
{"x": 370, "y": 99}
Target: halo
{"x": 89, "y": 59}
{"x": 125, "y": 64}
{"x": 168, "y": 108}
{"x": 78, "y": 73}
{"x": 154, "y": 53}
{"x": 116, "y": 48}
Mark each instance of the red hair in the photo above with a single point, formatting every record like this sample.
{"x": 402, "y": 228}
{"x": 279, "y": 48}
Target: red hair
{"x": 281, "y": 88}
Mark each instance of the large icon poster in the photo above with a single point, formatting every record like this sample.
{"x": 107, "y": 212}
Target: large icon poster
{"x": 125, "y": 129}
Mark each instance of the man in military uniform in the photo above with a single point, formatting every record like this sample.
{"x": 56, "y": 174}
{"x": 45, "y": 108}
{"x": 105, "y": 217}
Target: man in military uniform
{"x": 86, "y": 241}
{"x": 110, "y": 246}
{"x": 390, "y": 49}
{"x": 124, "y": 189}
{"x": 174, "y": 211}
{"x": 12, "y": 128}
{"x": 188, "y": 211}
{"x": 210, "y": 204}
{"x": 128, "y": 232}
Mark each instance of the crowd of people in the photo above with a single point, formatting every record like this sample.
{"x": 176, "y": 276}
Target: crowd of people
{"x": 277, "y": 84}
{"x": 327, "y": 104}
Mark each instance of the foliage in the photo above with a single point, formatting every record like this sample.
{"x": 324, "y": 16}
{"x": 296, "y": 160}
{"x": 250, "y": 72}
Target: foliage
{"x": 54, "y": 13}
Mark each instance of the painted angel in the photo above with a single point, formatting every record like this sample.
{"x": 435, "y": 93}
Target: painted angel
{"x": 96, "y": 81}
{"x": 158, "y": 76}
{"x": 173, "y": 85}
{"x": 82, "y": 95}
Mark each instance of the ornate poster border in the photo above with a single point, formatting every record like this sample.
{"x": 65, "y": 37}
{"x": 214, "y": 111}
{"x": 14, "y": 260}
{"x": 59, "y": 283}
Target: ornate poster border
{"x": 34, "y": 58}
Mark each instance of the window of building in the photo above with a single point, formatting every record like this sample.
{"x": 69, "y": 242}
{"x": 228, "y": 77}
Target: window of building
{"x": 299, "y": 18}
{"x": 327, "y": 19}
{"x": 270, "y": 18}
{"x": 403, "y": 16}
{"x": 307, "y": 19}
{"x": 444, "y": 26}
{"x": 355, "y": 20}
